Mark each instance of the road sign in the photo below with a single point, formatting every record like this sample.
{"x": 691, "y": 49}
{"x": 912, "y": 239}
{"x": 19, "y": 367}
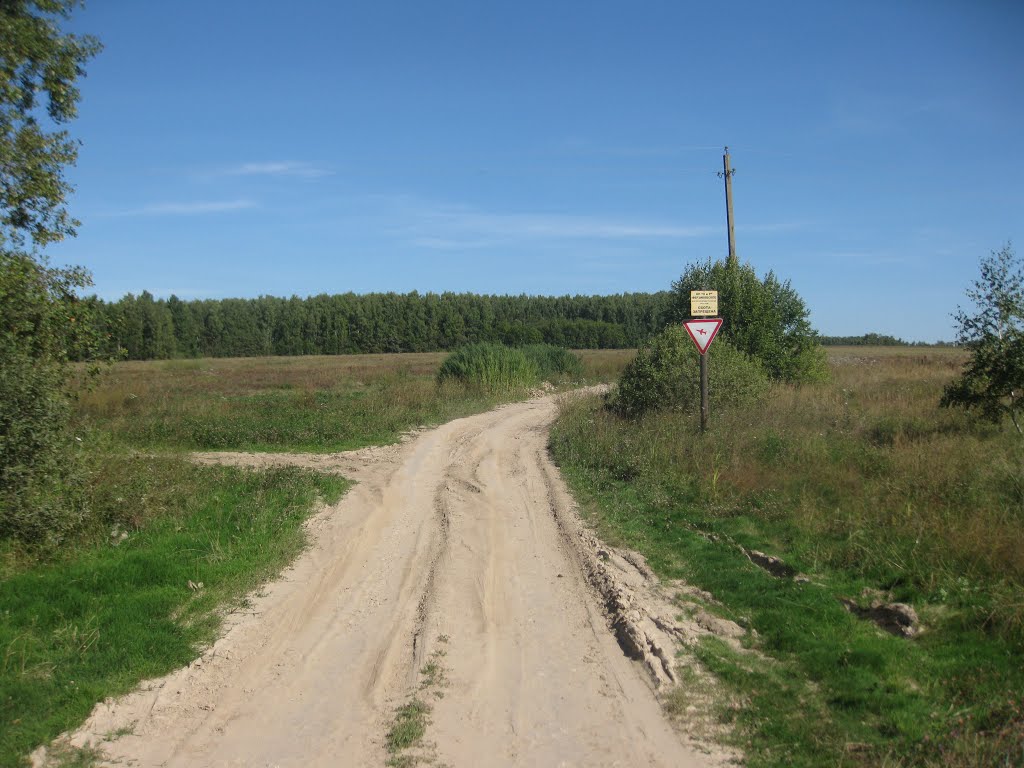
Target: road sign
{"x": 703, "y": 303}
{"x": 703, "y": 332}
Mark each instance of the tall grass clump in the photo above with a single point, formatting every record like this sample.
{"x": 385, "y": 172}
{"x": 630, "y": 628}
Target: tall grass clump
{"x": 666, "y": 375}
{"x": 492, "y": 367}
{"x": 553, "y": 362}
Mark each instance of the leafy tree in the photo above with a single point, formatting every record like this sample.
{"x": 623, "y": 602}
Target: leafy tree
{"x": 37, "y": 60}
{"x": 993, "y": 381}
{"x": 766, "y": 318}
{"x": 44, "y": 323}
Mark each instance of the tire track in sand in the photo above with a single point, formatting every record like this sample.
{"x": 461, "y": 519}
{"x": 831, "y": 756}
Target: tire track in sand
{"x": 466, "y": 533}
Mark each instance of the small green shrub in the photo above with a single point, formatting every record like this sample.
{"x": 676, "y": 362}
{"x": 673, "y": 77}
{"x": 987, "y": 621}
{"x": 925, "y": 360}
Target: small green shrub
{"x": 666, "y": 374}
{"x": 493, "y": 367}
{"x": 553, "y": 362}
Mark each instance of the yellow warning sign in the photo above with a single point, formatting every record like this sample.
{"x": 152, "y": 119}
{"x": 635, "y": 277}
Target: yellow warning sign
{"x": 703, "y": 303}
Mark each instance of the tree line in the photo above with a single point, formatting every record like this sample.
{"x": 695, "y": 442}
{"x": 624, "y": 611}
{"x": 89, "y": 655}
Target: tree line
{"x": 146, "y": 328}
{"x": 876, "y": 340}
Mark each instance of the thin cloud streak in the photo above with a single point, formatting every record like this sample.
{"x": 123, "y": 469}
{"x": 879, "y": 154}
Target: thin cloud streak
{"x": 485, "y": 226}
{"x": 278, "y": 168}
{"x": 188, "y": 209}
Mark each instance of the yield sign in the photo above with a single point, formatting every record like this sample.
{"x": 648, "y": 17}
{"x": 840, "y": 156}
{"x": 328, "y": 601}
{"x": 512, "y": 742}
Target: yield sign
{"x": 703, "y": 332}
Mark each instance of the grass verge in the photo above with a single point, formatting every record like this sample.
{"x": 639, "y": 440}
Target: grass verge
{"x": 862, "y": 484}
{"x": 137, "y": 599}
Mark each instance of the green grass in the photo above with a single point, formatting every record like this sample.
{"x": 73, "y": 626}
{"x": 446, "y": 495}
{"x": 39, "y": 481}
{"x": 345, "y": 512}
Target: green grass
{"x": 409, "y": 726}
{"x": 861, "y": 483}
{"x": 292, "y": 404}
{"x": 95, "y": 620}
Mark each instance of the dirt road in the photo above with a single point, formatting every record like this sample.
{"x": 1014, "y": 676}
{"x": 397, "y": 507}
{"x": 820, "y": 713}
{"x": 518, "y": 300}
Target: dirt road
{"x": 454, "y": 573}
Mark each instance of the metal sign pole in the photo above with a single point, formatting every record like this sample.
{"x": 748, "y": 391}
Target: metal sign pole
{"x": 705, "y": 407}
{"x": 702, "y": 332}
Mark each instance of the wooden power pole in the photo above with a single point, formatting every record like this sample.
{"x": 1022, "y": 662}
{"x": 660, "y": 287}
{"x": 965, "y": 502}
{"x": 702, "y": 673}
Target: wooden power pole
{"x": 727, "y": 173}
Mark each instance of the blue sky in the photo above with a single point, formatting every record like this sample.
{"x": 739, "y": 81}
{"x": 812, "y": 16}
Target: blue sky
{"x": 249, "y": 148}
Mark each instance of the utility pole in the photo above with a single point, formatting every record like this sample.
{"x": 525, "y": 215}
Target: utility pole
{"x": 727, "y": 174}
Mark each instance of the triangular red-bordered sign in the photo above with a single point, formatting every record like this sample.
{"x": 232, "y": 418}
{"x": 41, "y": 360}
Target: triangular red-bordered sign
{"x": 703, "y": 331}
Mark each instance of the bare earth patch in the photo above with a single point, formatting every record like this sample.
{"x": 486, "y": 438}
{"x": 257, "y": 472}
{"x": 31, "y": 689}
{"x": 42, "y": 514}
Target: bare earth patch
{"x": 459, "y": 550}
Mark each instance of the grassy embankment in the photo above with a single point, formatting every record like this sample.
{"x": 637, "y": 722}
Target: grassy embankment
{"x": 863, "y": 484}
{"x": 96, "y": 615}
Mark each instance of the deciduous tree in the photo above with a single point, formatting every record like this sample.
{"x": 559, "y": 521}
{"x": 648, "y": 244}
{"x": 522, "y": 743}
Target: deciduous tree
{"x": 993, "y": 381}
{"x": 42, "y": 321}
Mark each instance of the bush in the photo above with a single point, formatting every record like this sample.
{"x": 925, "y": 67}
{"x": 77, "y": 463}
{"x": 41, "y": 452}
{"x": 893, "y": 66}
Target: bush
{"x": 44, "y": 324}
{"x": 666, "y": 374}
{"x": 766, "y": 319}
{"x": 553, "y": 362}
{"x": 493, "y": 367}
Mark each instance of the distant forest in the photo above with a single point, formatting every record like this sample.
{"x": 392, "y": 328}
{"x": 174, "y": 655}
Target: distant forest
{"x": 875, "y": 340}
{"x": 148, "y": 328}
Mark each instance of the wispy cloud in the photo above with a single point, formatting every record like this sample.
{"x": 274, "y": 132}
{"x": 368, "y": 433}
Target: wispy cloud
{"x": 277, "y": 168}
{"x": 453, "y": 223}
{"x": 187, "y": 209}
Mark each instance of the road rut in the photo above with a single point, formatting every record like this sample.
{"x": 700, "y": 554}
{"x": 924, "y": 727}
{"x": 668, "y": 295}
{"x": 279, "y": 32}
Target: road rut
{"x": 456, "y": 547}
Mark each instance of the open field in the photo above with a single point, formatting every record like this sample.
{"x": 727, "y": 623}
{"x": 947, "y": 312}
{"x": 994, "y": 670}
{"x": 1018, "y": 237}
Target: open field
{"x": 862, "y": 484}
{"x": 288, "y": 403}
{"x": 874, "y": 493}
{"x": 156, "y": 522}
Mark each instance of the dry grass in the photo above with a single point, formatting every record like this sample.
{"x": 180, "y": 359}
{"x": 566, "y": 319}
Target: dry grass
{"x": 288, "y": 403}
{"x": 863, "y": 483}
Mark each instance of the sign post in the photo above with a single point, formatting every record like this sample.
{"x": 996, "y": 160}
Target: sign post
{"x": 703, "y": 332}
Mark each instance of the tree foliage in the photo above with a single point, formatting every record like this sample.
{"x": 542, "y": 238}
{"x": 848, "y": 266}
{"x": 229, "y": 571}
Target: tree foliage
{"x": 39, "y": 66}
{"x": 766, "y": 318}
{"x": 43, "y": 323}
{"x": 148, "y": 328}
{"x": 993, "y": 381}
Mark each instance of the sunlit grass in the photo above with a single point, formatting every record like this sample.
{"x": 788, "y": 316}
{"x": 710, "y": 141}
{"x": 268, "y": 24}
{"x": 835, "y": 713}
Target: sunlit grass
{"x": 861, "y": 483}
{"x": 292, "y": 403}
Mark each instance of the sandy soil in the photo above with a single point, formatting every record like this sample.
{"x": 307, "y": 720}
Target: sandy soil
{"x": 458, "y": 548}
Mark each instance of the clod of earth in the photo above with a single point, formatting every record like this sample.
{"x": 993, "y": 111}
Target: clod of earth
{"x": 897, "y": 619}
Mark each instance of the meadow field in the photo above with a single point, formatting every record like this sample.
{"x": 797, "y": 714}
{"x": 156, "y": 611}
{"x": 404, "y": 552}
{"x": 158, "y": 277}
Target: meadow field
{"x": 872, "y": 494}
{"x": 862, "y": 485}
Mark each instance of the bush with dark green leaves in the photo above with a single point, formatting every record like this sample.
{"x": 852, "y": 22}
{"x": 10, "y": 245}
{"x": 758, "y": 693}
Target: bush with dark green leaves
{"x": 666, "y": 375}
{"x": 766, "y": 318}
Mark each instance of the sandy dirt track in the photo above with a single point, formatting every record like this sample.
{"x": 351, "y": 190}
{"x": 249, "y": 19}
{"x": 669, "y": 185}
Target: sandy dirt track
{"x": 459, "y": 546}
